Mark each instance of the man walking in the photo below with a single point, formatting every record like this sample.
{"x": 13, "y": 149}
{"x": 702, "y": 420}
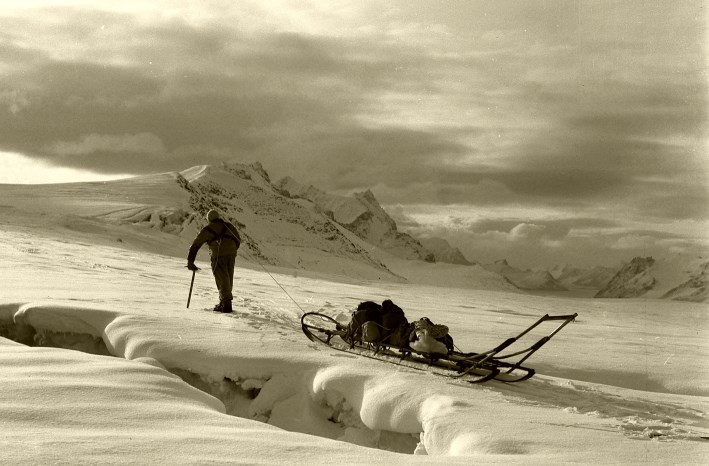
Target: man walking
{"x": 223, "y": 240}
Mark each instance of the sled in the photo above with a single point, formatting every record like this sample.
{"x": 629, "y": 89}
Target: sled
{"x": 470, "y": 367}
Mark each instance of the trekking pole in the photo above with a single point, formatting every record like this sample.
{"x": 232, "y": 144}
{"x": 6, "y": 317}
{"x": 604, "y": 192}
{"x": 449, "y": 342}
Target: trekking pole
{"x": 189, "y": 297}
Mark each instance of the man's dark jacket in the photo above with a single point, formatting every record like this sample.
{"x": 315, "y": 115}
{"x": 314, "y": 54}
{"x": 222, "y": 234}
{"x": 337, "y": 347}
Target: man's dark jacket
{"x": 221, "y": 236}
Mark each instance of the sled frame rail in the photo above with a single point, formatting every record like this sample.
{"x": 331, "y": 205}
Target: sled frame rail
{"x": 493, "y": 354}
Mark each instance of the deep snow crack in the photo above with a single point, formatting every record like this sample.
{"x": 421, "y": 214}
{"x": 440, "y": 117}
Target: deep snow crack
{"x": 283, "y": 400}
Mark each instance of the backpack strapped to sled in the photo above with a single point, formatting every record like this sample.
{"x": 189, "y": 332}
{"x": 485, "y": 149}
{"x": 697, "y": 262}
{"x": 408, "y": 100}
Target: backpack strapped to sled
{"x": 472, "y": 367}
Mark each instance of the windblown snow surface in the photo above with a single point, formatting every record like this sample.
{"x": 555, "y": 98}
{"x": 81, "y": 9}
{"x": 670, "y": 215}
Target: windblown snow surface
{"x": 100, "y": 362}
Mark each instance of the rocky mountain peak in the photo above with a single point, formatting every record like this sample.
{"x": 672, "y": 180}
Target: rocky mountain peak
{"x": 368, "y": 196}
{"x": 361, "y": 214}
{"x": 674, "y": 278}
{"x": 258, "y": 168}
{"x": 444, "y": 252}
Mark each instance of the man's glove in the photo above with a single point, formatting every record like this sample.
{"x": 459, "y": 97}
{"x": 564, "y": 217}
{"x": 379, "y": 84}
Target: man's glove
{"x": 192, "y": 267}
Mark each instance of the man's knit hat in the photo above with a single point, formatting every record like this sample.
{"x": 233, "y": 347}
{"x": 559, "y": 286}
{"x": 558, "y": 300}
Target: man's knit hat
{"x": 212, "y": 215}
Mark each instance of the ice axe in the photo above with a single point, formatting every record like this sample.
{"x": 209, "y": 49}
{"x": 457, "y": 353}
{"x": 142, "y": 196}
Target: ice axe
{"x": 189, "y": 297}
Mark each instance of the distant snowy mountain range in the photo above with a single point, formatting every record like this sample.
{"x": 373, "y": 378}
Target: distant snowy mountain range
{"x": 525, "y": 279}
{"x": 651, "y": 278}
{"x": 339, "y": 217}
{"x": 577, "y": 277}
{"x": 293, "y": 226}
{"x": 679, "y": 279}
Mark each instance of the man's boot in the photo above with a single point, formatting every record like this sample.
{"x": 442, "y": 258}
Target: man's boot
{"x": 219, "y": 307}
{"x": 226, "y": 306}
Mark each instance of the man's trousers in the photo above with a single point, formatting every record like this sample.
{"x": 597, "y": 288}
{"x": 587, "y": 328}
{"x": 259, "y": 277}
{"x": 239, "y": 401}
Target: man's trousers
{"x": 223, "y": 270}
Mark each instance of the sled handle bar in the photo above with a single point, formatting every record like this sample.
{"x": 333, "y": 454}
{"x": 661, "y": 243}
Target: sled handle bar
{"x": 533, "y": 349}
{"x": 487, "y": 355}
{"x": 566, "y": 318}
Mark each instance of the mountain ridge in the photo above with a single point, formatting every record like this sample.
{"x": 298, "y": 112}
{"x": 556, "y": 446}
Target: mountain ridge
{"x": 525, "y": 279}
{"x": 363, "y": 215}
{"x": 648, "y": 277}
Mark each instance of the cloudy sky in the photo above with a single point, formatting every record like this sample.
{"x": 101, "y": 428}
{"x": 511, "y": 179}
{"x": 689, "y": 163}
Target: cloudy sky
{"x": 542, "y": 131}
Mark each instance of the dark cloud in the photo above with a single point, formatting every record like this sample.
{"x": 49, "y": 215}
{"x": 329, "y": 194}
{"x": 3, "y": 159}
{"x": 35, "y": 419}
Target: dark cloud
{"x": 679, "y": 202}
{"x": 289, "y": 100}
{"x": 66, "y": 100}
{"x": 537, "y": 108}
{"x": 617, "y": 154}
{"x": 395, "y": 156}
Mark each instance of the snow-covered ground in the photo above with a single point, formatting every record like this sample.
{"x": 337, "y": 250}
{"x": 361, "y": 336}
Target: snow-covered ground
{"x": 153, "y": 382}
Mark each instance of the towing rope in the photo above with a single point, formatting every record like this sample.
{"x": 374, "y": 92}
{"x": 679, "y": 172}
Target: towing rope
{"x": 274, "y": 279}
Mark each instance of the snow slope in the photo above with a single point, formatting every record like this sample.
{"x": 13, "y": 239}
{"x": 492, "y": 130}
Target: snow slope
{"x": 625, "y": 384}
